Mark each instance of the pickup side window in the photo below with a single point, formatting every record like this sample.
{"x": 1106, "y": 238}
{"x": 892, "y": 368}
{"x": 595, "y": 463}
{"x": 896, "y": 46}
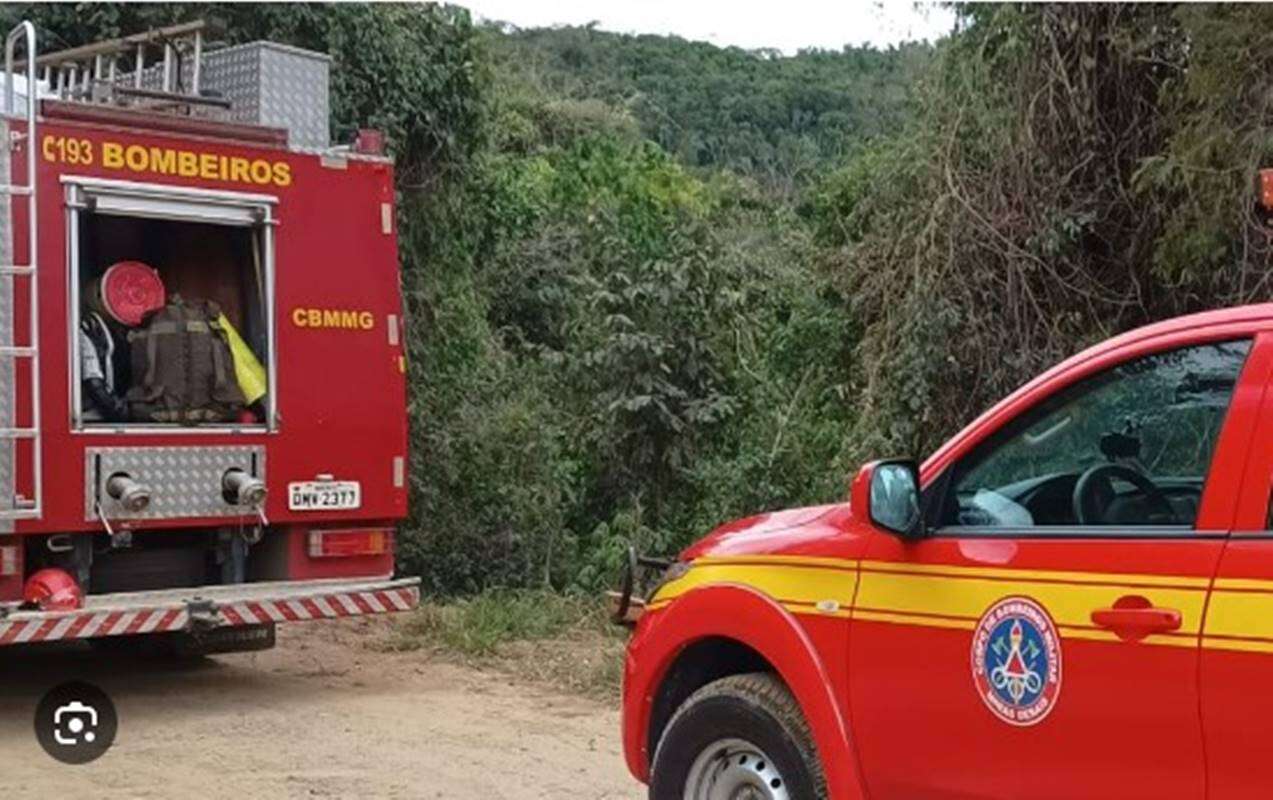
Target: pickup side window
{"x": 1130, "y": 446}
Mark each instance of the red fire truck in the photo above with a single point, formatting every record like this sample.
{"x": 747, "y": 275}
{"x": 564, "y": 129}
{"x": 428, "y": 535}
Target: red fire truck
{"x": 211, "y": 166}
{"x": 1073, "y": 597}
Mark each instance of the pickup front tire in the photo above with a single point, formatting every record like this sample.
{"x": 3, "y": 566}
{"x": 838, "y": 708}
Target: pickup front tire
{"x": 740, "y": 736}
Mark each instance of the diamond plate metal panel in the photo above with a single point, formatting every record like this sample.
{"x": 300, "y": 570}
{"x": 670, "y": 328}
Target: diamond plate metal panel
{"x": 235, "y": 74}
{"x": 184, "y": 481}
{"x": 294, "y": 94}
{"x": 275, "y": 85}
{"x": 7, "y": 414}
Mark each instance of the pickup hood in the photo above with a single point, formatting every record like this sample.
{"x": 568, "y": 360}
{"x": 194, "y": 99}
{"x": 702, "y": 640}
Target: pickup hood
{"x": 773, "y": 533}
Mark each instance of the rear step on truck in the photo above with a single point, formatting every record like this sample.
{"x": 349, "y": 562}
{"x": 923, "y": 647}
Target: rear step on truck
{"x": 208, "y": 608}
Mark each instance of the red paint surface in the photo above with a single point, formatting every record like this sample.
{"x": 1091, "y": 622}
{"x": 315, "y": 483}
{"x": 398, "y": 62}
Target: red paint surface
{"x": 1124, "y": 710}
{"x": 1237, "y": 708}
{"x": 342, "y": 397}
{"x": 1133, "y": 718}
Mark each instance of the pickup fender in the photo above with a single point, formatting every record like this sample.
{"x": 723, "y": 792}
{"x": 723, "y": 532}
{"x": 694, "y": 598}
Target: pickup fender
{"x": 734, "y": 611}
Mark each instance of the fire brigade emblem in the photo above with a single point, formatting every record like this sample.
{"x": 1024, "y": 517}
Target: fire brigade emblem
{"x": 1016, "y": 661}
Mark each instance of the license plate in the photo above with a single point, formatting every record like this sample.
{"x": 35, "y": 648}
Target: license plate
{"x": 324, "y": 495}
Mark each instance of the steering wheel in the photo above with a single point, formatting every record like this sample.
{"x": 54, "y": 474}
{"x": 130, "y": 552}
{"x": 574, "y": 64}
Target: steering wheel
{"x": 1094, "y": 491}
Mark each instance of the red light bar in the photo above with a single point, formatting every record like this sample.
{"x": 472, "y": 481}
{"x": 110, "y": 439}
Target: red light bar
{"x": 347, "y": 543}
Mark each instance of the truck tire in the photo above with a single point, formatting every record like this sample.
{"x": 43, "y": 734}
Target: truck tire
{"x": 738, "y": 733}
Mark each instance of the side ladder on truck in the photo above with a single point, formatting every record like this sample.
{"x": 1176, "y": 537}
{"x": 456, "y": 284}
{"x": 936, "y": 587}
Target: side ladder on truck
{"x": 19, "y": 280}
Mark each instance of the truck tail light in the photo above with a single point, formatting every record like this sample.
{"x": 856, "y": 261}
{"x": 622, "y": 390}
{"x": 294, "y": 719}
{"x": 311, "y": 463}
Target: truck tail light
{"x": 9, "y": 565}
{"x": 347, "y": 543}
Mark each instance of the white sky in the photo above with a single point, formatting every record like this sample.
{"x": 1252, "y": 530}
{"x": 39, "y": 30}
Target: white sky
{"x": 787, "y": 25}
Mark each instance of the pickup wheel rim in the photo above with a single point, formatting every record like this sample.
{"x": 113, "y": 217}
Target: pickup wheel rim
{"x": 734, "y": 769}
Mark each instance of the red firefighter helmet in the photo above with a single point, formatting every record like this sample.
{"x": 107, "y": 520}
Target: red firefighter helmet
{"x": 53, "y": 589}
{"x": 128, "y": 291}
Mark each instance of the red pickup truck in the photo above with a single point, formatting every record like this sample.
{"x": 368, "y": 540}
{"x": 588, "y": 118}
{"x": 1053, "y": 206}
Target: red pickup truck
{"x": 1073, "y": 597}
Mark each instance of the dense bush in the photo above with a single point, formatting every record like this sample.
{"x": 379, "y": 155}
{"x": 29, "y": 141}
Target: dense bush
{"x": 1075, "y": 170}
{"x": 640, "y": 327}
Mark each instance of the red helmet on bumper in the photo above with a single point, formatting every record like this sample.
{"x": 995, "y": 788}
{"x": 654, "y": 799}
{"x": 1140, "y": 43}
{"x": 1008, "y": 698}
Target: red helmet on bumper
{"x": 52, "y": 589}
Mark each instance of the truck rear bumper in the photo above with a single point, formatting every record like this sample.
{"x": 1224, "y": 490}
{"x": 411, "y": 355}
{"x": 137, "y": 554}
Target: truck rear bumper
{"x": 208, "y": 607}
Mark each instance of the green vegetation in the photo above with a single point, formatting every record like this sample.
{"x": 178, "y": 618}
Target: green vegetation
{"x": 620, "y": 346}
{"x": 476, "y": 627}
{"x": 779, "y": 120}
{"x": 534, "y": 634}
{"x": 653, "y": 285}
{"x": 1075, "y": 171}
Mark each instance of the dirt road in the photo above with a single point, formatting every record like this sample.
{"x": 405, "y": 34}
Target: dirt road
{"x": 319, "y": 716}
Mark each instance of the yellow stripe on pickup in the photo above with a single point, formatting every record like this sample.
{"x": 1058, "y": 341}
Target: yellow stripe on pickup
{"x": 1241, "y": 645}
{"x": 1244, "y": 585}
{"x": 779, "y": 560}
{"x": 1104, "y": 578}
{"x": 805, "y": 584}
{"x": 911, "y": 619}
{"x": 1069, "y": 604}
{"x": 1239, "y": 617}
{"x": 1240, "y": 614}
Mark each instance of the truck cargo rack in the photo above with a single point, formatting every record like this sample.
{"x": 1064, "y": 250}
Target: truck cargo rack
{"x": 96, "y": 72}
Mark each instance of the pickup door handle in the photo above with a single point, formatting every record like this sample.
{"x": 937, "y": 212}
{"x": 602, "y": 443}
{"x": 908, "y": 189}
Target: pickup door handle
{"x": 1133, "y": 617}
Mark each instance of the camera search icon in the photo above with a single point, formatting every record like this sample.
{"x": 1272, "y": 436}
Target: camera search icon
{"x": 76, "y": 722}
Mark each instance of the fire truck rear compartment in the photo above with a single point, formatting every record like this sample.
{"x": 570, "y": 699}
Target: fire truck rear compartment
{"x": 196, "y": 260}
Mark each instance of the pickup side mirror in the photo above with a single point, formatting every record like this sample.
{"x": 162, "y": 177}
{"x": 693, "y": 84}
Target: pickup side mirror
{"x": 887, "y": 494}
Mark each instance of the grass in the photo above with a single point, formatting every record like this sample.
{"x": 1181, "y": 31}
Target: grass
{"x": 563, "y": 640}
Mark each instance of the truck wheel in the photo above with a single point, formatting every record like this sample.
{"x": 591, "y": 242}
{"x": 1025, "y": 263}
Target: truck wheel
{"x": 738, "y": 737}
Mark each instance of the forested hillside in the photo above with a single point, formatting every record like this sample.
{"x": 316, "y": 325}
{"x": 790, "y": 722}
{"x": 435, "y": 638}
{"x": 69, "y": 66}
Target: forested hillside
{"x": 780, "y": 119}
{"x": 654, "y": 284}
